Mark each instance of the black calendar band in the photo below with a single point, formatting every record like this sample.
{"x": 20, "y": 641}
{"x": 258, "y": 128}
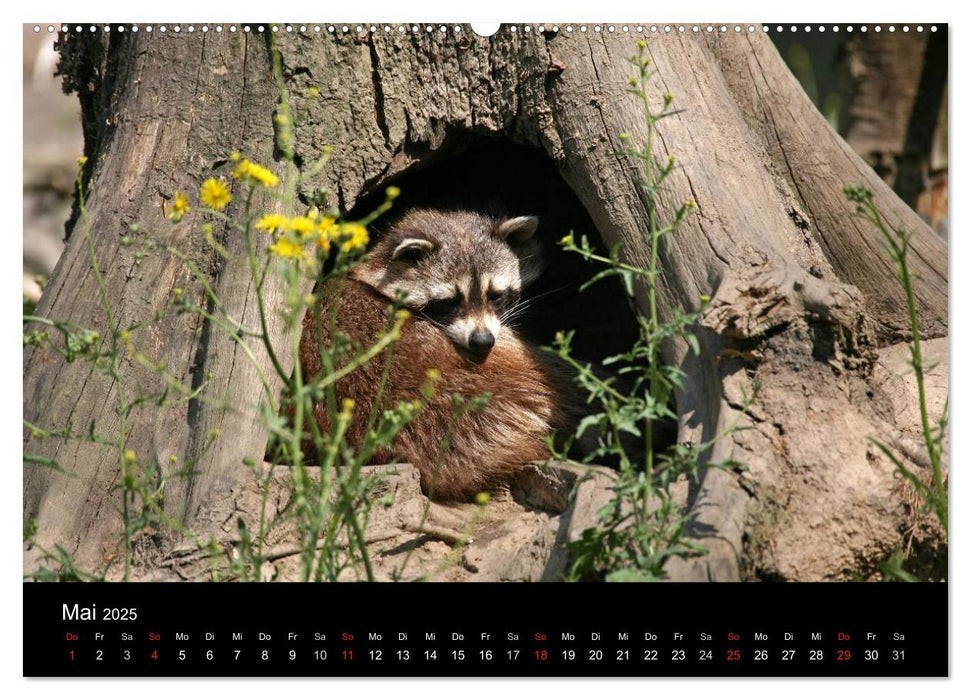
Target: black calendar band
{"x": 549, "y": 630}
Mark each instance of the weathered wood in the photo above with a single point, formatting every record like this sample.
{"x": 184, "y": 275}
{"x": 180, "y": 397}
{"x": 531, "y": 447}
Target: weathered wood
{"x": 815, "y": 165}
{"x": 764, "y": 168}
{"x": 174, "y": 107}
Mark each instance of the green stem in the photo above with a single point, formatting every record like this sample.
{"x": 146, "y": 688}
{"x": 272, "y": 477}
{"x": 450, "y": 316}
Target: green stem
{"x": 917, "y": 361}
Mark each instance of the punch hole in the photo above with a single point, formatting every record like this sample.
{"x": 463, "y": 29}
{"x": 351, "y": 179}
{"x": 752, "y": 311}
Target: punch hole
{"x": 485, "y": 29}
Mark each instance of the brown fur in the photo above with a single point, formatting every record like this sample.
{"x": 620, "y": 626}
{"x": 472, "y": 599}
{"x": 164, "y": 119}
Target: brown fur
{"x": 530, "y": 397}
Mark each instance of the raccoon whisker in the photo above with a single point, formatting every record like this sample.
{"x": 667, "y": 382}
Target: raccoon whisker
{"x": 515, "y": 312}
{"x": 533, "y": 298}
{"x": 524, "y": 304}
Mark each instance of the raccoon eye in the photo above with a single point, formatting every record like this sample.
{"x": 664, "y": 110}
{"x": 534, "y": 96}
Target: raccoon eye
{"x": 442, "y": 307}
{"x": 502, "y": 300}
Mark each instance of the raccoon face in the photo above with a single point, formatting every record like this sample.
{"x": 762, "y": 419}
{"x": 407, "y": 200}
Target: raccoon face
{"x": 463, "y": 271}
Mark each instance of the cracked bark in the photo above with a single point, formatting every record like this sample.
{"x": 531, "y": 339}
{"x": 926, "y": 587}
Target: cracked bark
{"x": 757, "y": 159}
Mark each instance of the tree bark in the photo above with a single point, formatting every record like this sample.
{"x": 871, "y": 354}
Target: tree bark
{"x": 805, "y": 297}
{"x": 897, "y": 85}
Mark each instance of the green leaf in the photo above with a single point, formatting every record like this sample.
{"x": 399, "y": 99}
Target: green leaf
{"x": 630, "y": 575}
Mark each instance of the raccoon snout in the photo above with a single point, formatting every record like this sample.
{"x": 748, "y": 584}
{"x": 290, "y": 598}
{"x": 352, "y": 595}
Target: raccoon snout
{"x": 481, "y": 341}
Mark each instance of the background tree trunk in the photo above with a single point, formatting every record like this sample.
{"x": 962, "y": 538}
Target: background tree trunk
{"x": 807, "y": 303}
{"x": 898, "y": 86}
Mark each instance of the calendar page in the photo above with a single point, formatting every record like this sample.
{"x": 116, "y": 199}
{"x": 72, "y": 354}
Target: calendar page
{"x": 527, "y": 349}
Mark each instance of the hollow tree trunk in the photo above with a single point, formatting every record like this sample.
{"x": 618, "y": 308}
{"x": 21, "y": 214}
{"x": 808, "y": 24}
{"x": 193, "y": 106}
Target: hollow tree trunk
{"x": 805, "y": 300}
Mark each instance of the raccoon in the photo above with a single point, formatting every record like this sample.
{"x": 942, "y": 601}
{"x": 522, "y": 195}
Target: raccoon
{"x": 462, "y": 274}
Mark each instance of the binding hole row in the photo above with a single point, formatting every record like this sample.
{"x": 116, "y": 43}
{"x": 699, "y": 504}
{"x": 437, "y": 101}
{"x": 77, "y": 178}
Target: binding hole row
{"x": 456, "y": 29}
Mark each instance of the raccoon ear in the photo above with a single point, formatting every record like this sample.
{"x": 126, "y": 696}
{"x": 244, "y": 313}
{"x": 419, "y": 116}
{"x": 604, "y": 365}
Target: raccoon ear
{"x": 412, "y": 249}
{"x": 518, "y": 229}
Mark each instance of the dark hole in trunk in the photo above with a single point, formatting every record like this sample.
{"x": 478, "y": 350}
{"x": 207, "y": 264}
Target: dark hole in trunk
{"x": 499, "y": 176}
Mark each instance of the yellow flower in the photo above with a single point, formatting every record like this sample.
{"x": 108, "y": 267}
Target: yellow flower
{"x": 303, "y": 226}
{"x": 392, "y": 192}
{"x": 353, "y": 236}
{"x": 327, "y": 226}
{"x": 641, "y": 44}
{"x": 82, "y": 160}
{"x": 288, "y": 249}
{"x": 129, "y": 455}
{"x": 482, "y": 498}
{"x": 245, "y": 169}
{"x": 179, "y": 207}
{"x": 271, "y": 223}
{"x": 214, "y": 194}
{"x": 323, "y": 242}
